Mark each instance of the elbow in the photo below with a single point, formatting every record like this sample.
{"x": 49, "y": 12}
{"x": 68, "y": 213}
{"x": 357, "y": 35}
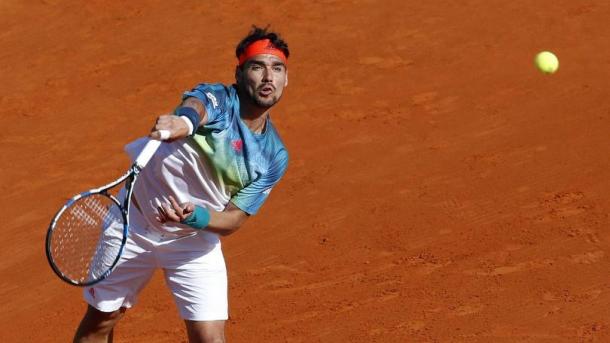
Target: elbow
{"x": 227, "y": 222}
{"x": 225, "y": 233}
{"x": 229, "y": 231}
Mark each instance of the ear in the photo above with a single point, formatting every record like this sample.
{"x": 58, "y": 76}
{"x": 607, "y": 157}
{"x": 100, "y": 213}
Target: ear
{"x": 286, "y": 81}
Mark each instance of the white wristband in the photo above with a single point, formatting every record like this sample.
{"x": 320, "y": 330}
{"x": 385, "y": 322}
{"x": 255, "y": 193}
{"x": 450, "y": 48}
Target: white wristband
{"x": 189, "y": 124}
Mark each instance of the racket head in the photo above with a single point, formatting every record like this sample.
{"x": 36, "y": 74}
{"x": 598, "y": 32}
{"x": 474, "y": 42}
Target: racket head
{"x": 86, "y": 237}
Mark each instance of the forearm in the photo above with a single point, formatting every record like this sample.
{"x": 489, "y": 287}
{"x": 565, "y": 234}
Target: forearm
{"x": 226, "y": 222}
{"x": 221, "y": 222}
{"x": 183, "y": 122}
{"x": 197, "y": 105}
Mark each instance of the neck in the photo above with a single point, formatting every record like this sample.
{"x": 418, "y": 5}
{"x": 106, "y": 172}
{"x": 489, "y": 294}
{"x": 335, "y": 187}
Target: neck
{"x": 252, "y": 115}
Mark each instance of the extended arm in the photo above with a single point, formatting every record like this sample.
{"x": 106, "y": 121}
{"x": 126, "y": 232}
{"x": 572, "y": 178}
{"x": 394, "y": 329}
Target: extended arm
{"x": 176, "y": 125}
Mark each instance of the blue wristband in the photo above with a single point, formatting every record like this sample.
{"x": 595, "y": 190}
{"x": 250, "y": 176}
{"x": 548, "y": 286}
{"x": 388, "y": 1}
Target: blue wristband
{"x": 191, "y": 114}
{"x": 199, "y": 219}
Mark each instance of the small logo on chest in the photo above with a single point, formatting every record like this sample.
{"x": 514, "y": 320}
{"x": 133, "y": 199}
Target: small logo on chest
{"x": 237, "y": 145}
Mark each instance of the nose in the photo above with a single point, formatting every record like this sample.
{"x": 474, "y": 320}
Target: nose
{"x": 268, "y": 75}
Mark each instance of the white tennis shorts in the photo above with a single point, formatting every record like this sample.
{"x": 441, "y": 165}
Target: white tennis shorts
{"x": 193, "y": 266}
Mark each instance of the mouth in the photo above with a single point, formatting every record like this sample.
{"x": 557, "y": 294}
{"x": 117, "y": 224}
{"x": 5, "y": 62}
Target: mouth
{"x": 265, "y": 91}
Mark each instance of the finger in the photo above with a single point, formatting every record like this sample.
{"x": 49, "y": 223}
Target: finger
{"x": 177, "y": 207}
{"x": 163, "y": 122}
{"x": 167, "y": 210}
{"x": 164, "y": 118}
{"x": 161, "y": 212}
{"x": 174, "y": 203}
{"x": 166, "y": 213}
{"x": 189, "y": 208}
{"x": 163, "y": 126}
{"x": 154, "y": 134}
{"x": 171, "y": 213}
{"x": 183, "y": 209}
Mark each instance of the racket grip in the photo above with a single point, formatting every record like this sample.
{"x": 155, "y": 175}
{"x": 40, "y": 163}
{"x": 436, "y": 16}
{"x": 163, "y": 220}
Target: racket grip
{"x": 165, "y": 134}
{"x": 149, "y": 150}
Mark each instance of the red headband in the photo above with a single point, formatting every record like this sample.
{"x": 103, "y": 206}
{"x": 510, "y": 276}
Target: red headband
{"x": 263, "y": 46}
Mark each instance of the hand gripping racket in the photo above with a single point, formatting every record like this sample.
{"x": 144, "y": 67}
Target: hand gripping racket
{"x": 86, "y": 237}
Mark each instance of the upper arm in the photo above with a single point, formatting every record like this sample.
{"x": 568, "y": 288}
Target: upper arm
{"x": 212, "y": 101}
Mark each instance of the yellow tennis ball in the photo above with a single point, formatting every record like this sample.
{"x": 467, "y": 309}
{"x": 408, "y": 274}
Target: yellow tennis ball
{"x": 547, "y": 62}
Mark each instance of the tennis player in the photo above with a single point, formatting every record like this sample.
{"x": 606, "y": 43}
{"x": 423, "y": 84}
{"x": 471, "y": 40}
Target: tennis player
{"x": 222, "y": 159}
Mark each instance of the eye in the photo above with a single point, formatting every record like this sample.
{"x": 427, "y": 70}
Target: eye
{"x": 256, "y": 67}
{"x": 278, "y": 69}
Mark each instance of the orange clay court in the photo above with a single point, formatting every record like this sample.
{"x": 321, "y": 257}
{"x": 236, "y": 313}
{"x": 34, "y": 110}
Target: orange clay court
{"x": 440, "y": 188}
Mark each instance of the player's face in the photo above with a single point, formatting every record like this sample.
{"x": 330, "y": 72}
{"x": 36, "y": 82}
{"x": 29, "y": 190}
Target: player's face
{"x": 263, "y": 78}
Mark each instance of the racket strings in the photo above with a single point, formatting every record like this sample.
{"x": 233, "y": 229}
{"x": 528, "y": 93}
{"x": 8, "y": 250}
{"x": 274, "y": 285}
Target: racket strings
{"x": 87, "y": 238}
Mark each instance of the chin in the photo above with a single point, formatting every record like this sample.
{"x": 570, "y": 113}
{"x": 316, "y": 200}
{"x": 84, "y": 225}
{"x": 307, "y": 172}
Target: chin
{"x": 266, "y": 103}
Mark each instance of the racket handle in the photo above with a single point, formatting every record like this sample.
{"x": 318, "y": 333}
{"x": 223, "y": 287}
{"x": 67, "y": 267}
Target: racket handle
{"x": 149, "y": 149}
{"x": 165, "y": 134}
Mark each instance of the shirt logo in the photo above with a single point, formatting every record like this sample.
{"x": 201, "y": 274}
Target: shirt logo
{"x": 212, "y": 99}
{"x": 92, "y": 292}
{"x": 237, "y": 145}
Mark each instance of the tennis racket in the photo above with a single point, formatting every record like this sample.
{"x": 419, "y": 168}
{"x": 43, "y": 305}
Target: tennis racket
{"x": 86, "y": 237}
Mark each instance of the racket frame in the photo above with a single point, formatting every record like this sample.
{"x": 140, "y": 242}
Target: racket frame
{"x": 131, "y": 177}
{"x": 132, "y": 174}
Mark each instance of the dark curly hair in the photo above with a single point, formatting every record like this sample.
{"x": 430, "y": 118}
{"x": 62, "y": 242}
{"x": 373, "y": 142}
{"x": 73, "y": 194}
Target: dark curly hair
{"x": 258, "y": 33}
